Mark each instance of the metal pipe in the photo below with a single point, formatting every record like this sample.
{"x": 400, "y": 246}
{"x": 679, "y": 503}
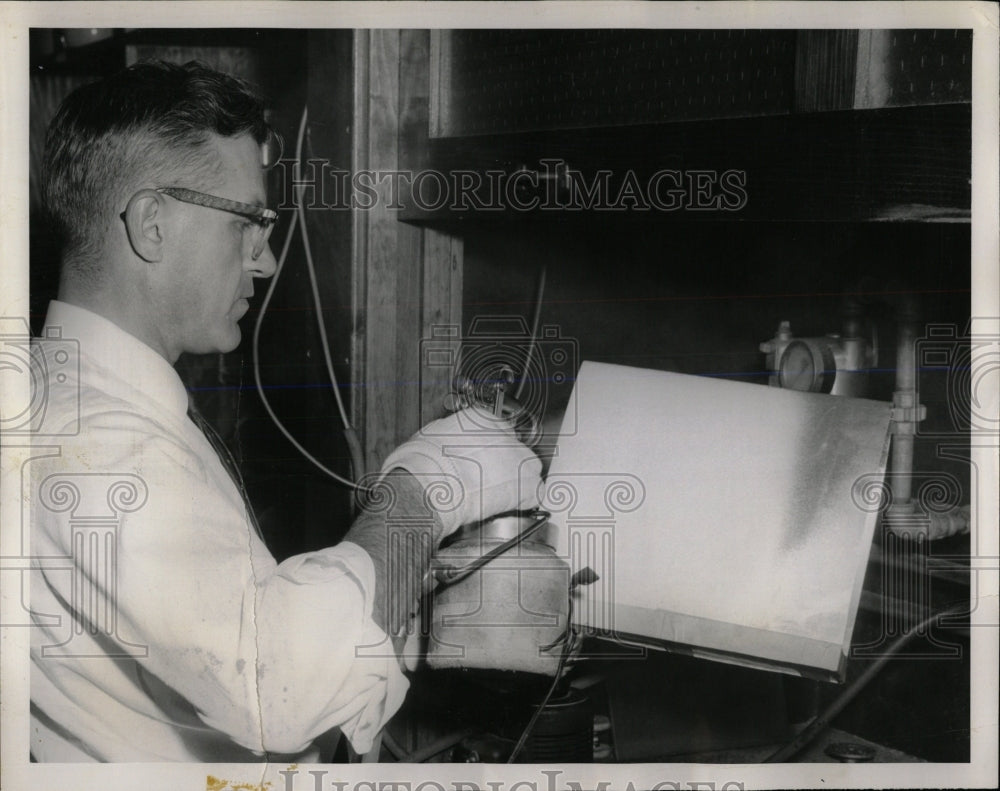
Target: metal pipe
{"x": 903, "y": 517}
{"x": 949, "y": 523}
{"x": 903, "y": 431}
{"x": 906, "y": 414}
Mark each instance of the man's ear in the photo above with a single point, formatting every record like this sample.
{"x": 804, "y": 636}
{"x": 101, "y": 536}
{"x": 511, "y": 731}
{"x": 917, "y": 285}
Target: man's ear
{"x": 145, "y": 224}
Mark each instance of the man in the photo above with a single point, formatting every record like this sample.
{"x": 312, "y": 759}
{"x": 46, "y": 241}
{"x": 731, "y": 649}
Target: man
{"x": 167, "y": 631}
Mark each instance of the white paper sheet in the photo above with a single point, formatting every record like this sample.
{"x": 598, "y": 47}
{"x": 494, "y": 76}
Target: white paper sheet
{"x": 722, "y": 516}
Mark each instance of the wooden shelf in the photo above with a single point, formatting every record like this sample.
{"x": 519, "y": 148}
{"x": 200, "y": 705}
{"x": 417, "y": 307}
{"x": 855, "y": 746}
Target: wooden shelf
{"x": 895, "y": 164}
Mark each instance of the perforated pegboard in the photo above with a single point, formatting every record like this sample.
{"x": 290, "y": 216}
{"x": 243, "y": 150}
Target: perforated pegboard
{"x": 519, "y": 80}
{"x": 928, "y": 66}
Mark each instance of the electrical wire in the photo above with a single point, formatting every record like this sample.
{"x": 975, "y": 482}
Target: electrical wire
{"x": 299, "y": 219}
{"x": 350, "y": 435}
{"x": 539, "y": 294}
{"x": 311, "y": 269}
{"x": 819, "y": 723}
{"x": 572, "y": 642}
{"x": 395, "y": 748}
{"x": 568, "y": 648}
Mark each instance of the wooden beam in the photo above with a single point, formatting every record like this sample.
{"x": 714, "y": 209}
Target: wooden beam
{"x": 414, "y": 89}
{"x": 406, "y": 280}
{"x": 439, "y": 69}
{"x": 381, "y": 258}
{"x": 441, "y": 321}
{"x": 359, "y": 237}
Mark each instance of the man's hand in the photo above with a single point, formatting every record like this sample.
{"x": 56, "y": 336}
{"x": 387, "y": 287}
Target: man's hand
{"x": 471, "y": 466}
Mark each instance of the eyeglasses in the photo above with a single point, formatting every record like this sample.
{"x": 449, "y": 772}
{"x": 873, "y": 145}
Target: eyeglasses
{"x": 263, "y": 219}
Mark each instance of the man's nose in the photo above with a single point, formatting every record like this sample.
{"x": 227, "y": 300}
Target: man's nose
{"x": 265, "y": 265}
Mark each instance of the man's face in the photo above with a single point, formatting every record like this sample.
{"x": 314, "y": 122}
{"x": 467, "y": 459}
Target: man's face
{"x": 207, "y": 278}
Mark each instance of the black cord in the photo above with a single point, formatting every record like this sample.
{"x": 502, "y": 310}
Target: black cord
{"x": 821, "y": 721}
{"x": 449, "y": 575}
{"x": 567, "y": 649}
{"x": 571, "y": 641}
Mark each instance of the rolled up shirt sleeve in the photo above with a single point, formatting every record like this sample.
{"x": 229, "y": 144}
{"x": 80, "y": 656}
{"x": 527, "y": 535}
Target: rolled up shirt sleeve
{"x": 272, "y": 655}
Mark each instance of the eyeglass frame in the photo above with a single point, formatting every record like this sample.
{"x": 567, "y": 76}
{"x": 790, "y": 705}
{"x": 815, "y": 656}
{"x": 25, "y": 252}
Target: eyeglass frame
{"x": 264, "y": 219}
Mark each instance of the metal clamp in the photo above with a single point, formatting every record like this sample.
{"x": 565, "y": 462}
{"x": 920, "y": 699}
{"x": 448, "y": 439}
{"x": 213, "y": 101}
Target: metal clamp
{"x": 448, "y": 575}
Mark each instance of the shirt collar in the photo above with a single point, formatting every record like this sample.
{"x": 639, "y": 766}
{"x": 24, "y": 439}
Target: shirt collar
{"x": 126, "y": 362}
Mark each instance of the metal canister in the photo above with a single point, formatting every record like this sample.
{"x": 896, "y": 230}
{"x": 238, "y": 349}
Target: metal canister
{"x": 509, "y": 614}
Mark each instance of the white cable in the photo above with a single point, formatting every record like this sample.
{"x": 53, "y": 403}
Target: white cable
{"x": 310, "y": 267}
{"x": 299, "y": 217}
{"x": 353, "y": 445}
{"x": 539, "y": 294}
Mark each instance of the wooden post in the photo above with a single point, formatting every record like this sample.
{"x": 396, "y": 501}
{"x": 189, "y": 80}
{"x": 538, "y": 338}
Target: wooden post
{"x": 406, "y": 279}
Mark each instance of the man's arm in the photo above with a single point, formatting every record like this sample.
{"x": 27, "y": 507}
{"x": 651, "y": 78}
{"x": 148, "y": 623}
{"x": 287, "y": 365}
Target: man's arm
{"x": 458, "y": 470}
{"x": 270, "y": 654}
{"x": 400, "y": 539}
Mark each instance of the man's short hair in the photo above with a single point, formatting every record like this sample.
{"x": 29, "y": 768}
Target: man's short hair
{"x": 144, "y": 126}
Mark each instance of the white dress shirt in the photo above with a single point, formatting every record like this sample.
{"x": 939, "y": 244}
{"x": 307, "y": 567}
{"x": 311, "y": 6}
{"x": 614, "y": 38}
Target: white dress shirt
{"x": 164, "y": 630}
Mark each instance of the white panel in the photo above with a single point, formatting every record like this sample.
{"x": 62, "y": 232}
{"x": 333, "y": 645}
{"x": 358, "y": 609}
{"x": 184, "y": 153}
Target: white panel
{"x": 720, "y": 515}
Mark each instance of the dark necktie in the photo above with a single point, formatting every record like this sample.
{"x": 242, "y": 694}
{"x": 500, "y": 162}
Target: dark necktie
{"x": 227, "y": 461}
